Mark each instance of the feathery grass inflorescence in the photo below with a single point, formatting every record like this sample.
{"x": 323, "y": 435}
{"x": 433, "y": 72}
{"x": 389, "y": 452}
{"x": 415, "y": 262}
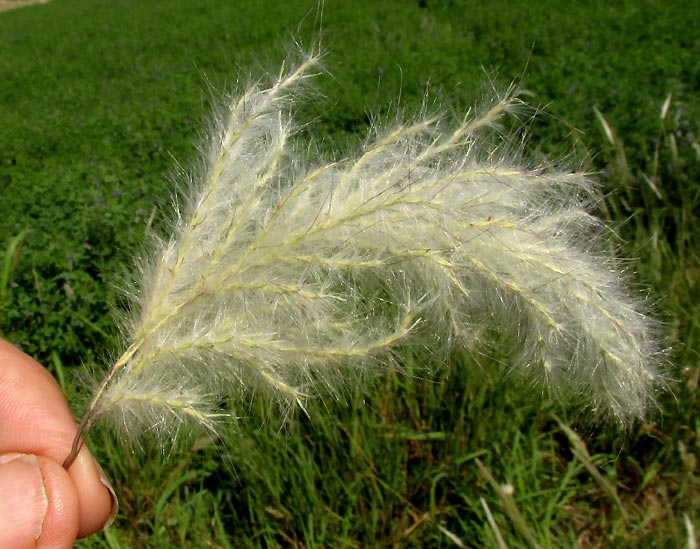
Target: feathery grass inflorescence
{"x": 290, "y": 280}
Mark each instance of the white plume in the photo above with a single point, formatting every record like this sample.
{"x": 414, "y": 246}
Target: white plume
{"x": 291, "y": 280}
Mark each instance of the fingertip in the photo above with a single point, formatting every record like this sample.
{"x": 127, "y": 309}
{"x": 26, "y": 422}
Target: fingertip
{"x": 39, "y": 506}
{"x": 98, "y": 499}
{"x": 61, "y": 526}
{"x": 37, "y": 421}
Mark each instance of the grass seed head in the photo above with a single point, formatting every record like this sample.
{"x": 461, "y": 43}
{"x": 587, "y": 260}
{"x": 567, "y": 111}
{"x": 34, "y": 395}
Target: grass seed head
{"x": 290, "y": 279}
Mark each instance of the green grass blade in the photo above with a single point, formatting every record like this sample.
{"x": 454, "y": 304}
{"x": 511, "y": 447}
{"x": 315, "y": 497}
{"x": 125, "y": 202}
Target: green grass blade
{"x": 10, "y": 261}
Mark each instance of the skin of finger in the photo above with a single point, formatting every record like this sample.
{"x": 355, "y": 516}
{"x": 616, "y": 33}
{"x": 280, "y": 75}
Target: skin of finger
{"x": 35, "y": 419}
{"x": 61, "y": 523}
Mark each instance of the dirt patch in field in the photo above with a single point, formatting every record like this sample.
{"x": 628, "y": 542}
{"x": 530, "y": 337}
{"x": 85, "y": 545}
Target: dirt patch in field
{"x": 10, "y": 4}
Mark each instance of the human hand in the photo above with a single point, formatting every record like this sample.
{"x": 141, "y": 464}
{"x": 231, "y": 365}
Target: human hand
{"x": 41, "y": 504}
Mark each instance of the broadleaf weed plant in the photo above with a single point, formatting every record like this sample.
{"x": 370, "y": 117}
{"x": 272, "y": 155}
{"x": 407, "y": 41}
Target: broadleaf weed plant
{"x": 292, "y": 278}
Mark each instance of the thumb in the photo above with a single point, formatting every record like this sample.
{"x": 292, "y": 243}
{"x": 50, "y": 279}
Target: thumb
{"x": 38, "y": 503}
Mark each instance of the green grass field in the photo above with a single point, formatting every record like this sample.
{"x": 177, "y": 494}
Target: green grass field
{"x": 101, "y": 100}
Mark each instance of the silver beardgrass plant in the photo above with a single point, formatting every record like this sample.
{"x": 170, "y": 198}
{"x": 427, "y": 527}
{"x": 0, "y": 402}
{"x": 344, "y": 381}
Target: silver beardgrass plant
{"x": 291, "y": 280}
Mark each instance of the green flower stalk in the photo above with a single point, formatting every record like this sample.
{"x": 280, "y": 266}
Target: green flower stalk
{"x": 292, "y": 279}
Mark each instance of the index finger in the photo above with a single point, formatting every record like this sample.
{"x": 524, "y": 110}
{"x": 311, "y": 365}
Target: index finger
{"x": 35, "y": 419}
